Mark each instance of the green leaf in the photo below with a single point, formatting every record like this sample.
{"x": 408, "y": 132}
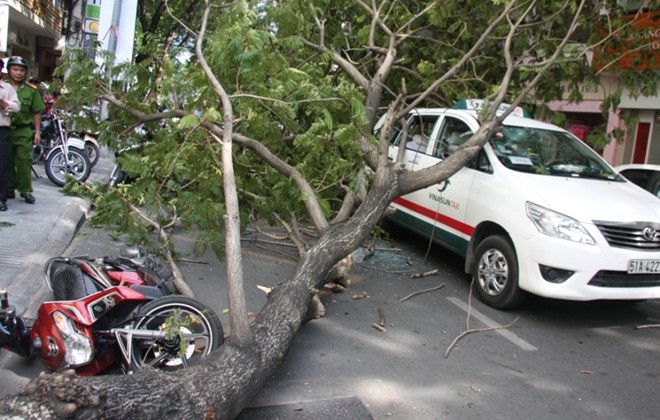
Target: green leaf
{"x": 189, "y": 121}
{"x": 327, "y": 117}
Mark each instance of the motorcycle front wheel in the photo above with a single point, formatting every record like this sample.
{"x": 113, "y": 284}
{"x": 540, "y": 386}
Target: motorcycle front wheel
{"x": 117, "y": 176}
{"x": 192, "y": 330}
{"x": 57, "y": 168}
{"x": 93, "y": 152}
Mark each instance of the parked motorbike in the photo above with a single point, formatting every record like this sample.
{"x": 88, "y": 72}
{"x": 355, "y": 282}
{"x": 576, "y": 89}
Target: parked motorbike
{"x": 111, "y": 311}
{"x": 118, "y": 176}
{"x": 92, "y": 148}
{"x": 91, "y": 139}
{"x": 49, "y": 136}
{"x": 62, "y": 153}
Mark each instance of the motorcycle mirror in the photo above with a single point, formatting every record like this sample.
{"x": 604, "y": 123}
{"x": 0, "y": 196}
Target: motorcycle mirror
{"x": 130, "y": 252}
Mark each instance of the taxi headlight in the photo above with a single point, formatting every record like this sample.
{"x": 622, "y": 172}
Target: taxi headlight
{"x": 77, "y": 346}
{"x": 558, "y": 225}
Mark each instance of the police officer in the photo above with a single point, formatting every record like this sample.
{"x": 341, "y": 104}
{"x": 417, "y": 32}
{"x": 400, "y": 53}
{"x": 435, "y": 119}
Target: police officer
{"x": 21, "y": 136}
{"x": 8, "y": 103}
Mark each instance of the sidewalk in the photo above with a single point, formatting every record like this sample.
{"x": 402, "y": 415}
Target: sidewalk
{"x": 30, "y": 234}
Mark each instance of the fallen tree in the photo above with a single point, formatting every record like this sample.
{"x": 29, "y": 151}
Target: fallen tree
{"x": 529, "y": 39}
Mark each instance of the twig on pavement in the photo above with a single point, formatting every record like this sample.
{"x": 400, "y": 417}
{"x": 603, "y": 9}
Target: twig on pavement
{"x": 403, "y": 299}
{"x": 469, "y": 330}
{"x": 190, "y": 260}
{"x": 274, "y": 251}
{"x": 639, "y": 327}
{"x": 379, "y": 328}
{"x": 475, "y": 330}
{"x": 381, "y": 317}
{"x": 425, "y": 274}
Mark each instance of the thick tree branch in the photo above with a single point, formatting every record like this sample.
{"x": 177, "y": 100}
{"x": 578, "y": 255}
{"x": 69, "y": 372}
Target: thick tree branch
{"x": 468, "y": 55}
{"x": 310, "y": 199}
{"x": 238, "y": 315}
{"x": 179, "y": 281}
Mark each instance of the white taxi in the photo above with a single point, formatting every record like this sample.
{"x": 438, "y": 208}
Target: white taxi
{"x": 536, "y": 211}
{"x": 644, "y": 175}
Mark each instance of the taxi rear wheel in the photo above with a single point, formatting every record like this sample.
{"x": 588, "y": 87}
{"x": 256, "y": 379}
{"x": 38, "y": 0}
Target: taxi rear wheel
{"x": 496, "y": 273}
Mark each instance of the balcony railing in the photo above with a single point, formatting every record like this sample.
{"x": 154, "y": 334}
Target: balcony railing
{"x": 46, "y": 10}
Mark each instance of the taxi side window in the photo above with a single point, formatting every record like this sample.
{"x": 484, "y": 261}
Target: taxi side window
{"x": 419, "y": 132}
{"x": 453, "y": 134}
{"x": 482, "y": 163}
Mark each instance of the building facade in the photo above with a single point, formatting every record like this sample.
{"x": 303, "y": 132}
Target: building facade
{"x": 33, "y": 30}
{"x": 641, "y": 143}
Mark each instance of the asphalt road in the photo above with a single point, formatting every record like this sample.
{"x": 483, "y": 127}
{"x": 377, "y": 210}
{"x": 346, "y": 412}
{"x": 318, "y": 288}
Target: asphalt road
{"x": 558, "y": 360}
{"x": 546, "y": 360}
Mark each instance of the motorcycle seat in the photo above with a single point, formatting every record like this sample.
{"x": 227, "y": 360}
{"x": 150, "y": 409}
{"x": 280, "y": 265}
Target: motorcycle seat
{"x": 68, "y": 282}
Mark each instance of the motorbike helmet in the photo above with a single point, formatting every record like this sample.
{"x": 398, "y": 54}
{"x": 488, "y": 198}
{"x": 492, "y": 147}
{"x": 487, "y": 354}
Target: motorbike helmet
{"x": 17, "y": 60}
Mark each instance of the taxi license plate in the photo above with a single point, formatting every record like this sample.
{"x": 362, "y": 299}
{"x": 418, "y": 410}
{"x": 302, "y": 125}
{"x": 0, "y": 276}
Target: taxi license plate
{"x": 643, "y": 266}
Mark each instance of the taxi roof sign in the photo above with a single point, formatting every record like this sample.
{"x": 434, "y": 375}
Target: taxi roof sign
{"x": 478, "y": 105}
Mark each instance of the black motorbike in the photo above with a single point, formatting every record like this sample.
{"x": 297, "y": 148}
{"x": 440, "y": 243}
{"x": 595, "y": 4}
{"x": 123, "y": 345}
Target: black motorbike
{"x": 62, "y": 153}
{"x": 118, "y": 176}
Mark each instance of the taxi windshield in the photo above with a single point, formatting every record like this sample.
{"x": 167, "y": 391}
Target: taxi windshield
{"x": 547, "y": 152}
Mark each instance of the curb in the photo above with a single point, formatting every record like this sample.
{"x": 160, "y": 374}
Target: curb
{"x": 38, "y": 232}
{"x": 27, "y": 289}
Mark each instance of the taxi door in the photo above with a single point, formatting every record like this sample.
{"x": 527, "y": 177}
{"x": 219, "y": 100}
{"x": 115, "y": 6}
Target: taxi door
{"x": 448, "y": 200}
{"x": 439, "y": 210}
{"x": 417, "y": 143}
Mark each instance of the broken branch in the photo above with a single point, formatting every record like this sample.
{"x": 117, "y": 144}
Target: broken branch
{"x": 403, "y": 299}
{"x": 188, "y": 260}
{"x": 381, "y": 317}
{"x": 466, "y": 332}
{"x": 363, "y": 295}
{"x": 639, "y": 327}
{"x": 426, "y": 274}
{"x": 378, "y": 327}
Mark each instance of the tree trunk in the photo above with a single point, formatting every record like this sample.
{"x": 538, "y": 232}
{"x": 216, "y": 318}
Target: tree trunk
{"x": 226, "y": 381}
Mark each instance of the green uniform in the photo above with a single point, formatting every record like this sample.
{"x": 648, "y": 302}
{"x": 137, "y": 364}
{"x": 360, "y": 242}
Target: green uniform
{"x": 21, "y": 138}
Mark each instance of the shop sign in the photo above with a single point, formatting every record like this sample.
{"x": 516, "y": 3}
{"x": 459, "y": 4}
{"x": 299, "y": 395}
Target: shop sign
{"x": 639, "y": 50}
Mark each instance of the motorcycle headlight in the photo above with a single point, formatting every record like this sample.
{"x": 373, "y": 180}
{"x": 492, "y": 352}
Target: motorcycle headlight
{"x": 77, "y": 346}
{"x": 558, "y": 225}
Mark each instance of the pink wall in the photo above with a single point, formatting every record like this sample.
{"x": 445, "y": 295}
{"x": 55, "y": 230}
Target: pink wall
{"x": 613, "y": 121}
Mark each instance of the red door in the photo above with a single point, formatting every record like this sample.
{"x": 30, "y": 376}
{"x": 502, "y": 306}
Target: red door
{"x": 641, "y": 143}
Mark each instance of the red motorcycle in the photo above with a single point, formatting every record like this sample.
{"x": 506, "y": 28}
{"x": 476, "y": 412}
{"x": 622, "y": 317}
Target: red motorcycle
{"x": 111, "y": 312}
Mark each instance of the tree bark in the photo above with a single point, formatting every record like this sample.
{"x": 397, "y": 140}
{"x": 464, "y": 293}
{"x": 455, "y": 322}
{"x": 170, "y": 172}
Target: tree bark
{"x": 222, "y": 385}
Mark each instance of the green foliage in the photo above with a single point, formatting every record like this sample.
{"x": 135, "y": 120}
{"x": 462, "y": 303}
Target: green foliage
{"x": 294, "y": 99}
{"x": 176, "y": 325}
{"x": 189, "y": 121}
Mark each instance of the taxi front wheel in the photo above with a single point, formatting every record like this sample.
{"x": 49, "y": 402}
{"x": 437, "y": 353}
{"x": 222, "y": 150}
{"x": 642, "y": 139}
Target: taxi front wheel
{"x": 496, "y": 273}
